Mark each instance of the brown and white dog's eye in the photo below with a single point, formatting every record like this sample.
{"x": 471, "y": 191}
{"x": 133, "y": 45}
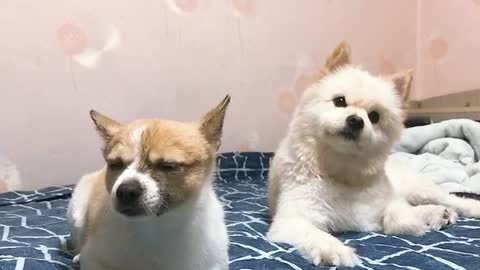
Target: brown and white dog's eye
{"x": 374, "y": 117}
{"x": 340, "y": 101}
{"x": 116, "y": 164}
{"x": 169, "y": 166}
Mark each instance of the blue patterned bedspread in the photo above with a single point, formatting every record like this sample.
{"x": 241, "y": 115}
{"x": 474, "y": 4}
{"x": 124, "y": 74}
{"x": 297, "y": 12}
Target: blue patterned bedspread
{"x": 33, "y": 231}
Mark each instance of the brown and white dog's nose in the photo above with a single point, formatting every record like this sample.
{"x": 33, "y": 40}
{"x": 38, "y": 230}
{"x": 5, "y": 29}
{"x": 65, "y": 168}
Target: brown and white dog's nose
{"x": 355, "y": 122}
{"x": 129, "y": 192}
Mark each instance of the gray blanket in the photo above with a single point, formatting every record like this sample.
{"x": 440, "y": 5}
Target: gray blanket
{"x": 448, "y": 152}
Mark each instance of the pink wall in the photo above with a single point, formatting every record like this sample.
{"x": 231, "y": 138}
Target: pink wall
{"x": 448, "y": 47}
{"x": 172, "y": 59}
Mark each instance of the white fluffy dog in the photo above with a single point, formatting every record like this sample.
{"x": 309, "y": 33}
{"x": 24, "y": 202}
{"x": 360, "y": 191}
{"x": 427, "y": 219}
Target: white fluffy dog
{"x": 331, "y": 172}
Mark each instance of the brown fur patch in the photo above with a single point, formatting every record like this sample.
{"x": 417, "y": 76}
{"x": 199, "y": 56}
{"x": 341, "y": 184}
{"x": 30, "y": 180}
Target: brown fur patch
{"x": 176, "y": 144}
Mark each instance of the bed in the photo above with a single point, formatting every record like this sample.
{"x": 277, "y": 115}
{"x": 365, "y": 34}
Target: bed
{"x": 34, "y": 235}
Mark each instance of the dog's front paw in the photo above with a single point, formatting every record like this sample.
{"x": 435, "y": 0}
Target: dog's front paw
{"x": 76, "y": 259}
{"x": 438, "y": 217}
{"x": 336, "y": 254}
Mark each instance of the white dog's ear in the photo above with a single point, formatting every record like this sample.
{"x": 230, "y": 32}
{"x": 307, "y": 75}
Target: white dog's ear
{"x": 341, "y": 56}
{"x": 402, "y": 82}
{"x": 106, "y": 126}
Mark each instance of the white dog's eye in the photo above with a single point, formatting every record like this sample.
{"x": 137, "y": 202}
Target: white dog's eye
{"x": 374, "y": 117}
{"x": 340, "y": 101}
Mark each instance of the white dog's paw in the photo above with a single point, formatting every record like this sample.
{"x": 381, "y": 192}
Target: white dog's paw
{"x": 336, "y": 254}
{"x": 438, "y": 217}
{"x": 76, "y": 259}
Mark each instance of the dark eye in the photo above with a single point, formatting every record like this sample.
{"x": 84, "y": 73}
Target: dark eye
{"x": 169, "y": 166}
{"x": 374, "y": 117}
{"x": 116, "y": 164}
{"x": 340, "y": 101}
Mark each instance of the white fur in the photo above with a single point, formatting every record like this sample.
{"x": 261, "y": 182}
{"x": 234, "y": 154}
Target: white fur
{"x": 321, "y": 182}
{"x": 192, "y": 236}
{"x": 77, "y": 209}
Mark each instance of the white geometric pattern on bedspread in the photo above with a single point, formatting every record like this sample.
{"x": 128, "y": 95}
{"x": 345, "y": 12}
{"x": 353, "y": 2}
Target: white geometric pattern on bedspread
{"x": 33, "y": 231}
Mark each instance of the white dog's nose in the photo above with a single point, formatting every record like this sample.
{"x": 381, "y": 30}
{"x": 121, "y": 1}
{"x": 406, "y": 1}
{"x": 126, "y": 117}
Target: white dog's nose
{"x": 129, "y": 192}
{"x": 355, "y": 122}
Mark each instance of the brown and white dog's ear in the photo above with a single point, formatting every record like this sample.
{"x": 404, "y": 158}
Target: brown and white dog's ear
{"x": 106, "y": 126}
{"x": 212, "y": 123}
{"x": 341, "y": 56}
{"x": 402, "y": 82}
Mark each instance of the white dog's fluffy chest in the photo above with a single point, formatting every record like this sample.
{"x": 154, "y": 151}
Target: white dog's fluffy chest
{"x": 352, "y": 209}
{"x": 190, "y": 238}
{"x": 340, "y": 207}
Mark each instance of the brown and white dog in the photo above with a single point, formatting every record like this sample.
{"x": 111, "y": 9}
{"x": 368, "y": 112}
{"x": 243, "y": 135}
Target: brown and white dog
{"x": 152, "y": 206}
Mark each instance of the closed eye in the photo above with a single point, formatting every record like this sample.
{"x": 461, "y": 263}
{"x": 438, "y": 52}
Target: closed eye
{"x": 116, "y": 164}
{"x": 169, "y": 166}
